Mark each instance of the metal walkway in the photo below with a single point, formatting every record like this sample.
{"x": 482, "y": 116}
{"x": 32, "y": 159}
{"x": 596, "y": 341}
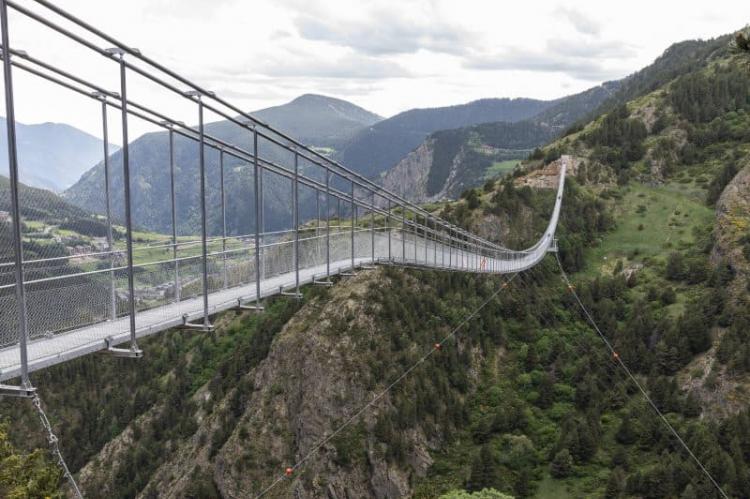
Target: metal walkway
{"x": 54, "y": 307}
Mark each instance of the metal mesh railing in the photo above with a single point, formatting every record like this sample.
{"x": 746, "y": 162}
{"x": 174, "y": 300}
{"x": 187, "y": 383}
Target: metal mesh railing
{"x": 243, "y": 220}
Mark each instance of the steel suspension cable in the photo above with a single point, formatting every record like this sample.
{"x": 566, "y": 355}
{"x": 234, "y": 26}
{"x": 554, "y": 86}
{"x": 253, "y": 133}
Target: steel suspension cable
{"x": 286, "y": 141}
{"x": 529, "y": 280}
{"x": 54, "y": 445}
{"x": 387, "y": 389}
{"x": 635, "y": 381}
{"x": 614, "y": 374}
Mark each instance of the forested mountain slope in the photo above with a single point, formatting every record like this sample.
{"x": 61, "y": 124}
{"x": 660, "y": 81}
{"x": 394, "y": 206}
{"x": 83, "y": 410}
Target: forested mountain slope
{"x": 377, "y": 148}
{"x": 316, "y": 120}
{"x": 450, "y": 161}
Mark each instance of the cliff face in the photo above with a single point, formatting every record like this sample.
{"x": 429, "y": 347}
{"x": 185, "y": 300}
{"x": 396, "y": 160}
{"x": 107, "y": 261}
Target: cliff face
{"x": 302, "y": 392}
{"x": 409, "y": 177}
{"x": 326, "y": 363}
{"x": 732, "y": 224}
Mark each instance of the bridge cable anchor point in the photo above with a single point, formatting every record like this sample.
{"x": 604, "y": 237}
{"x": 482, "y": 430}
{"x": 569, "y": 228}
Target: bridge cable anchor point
{"x": 241, "y": 307}
{"x": 293, "y": 294}
{"x": 186, "y": 324}
{"x": 129, "y": 353}
{"x": 17, "y": 391}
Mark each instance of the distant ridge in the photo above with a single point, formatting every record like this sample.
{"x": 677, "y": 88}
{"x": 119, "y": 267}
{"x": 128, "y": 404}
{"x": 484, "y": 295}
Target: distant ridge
{"x": 51, "y": 155}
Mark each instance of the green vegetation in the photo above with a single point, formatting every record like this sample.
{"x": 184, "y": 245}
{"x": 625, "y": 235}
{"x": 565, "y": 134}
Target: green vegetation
{"x": 618, "y": 139}
{"x": 177, "y": 364}
{"x": 482, "y": 494}
{"x": 479, "y": 150}
{"x": 26, "y": 475}
{"x": 499, "y": 168}
{"x": 651, "y": 222}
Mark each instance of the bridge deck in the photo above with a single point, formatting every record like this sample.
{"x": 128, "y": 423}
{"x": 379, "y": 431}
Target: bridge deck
{"x": 53, "y": 349}
{"x": 92, "y": 333}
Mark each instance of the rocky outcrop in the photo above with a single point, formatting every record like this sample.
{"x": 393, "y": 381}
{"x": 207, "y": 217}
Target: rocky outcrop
{"x": 318, "y": 374}
{"x": 302, "y": 393}
{"x": 732, "y": 224}
{"x": 408, "y": 178}
{"x": 548, "y": 176}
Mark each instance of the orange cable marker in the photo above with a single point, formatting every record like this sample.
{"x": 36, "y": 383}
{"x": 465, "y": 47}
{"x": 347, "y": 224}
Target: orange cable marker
{"x": 289, "y": 471}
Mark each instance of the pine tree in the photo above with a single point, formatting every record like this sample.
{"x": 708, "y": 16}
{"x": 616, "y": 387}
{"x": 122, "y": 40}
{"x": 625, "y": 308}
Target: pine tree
{"x": 626, "y": 434}
{"x": 484, "y": 471}
{"x": 562, "y": 464}
{"x": 615, "y": 484}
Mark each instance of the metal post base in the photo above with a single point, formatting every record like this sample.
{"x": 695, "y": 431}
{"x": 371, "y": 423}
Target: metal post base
{"x": 294, "y": 294}
{"x": 255, "y": 308}
{"x": 367, "y": 267}
{"x": 348, "y": 274}
{"x": 552, "y": 247}
{"x": 194, "y": 326}
{"x": 128, "y": 353}
{"x": 17, "y": 391}
{"x": 323, "y": 283}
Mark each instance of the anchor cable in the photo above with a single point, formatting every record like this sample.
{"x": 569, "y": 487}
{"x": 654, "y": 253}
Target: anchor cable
{"x": 638, "y": 385}
{"x": 54, "y": 445}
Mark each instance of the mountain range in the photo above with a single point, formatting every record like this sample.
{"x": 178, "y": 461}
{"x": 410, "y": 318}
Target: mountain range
{"x": 51, "y": 155}
{"x": 398, "y": 151}
{"x": 358, "y": 138}
{"x": 449, "y": 162}
{"x": 321, "y": 122}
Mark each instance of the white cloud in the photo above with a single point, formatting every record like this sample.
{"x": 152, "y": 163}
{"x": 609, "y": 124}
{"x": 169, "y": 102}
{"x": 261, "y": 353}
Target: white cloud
{"x": 580, "y": 21}
{"x": 386, "y": 55}
{"x": 380, "y": 32}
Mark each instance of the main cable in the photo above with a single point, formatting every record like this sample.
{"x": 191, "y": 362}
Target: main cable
{"x": 627, "y": 371}
{"x": 385, "y": 391}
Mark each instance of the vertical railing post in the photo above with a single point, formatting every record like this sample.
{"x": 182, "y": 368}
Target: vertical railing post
{"x": 262, "y": 222}
{"x": 416, "y": 243}
{"x": 403, "y": 234}
{"x": 172, "y": 184}
{"x": 372, "y": 227}
{"x": 223, "y": 219}
{"x": 295, "y": 222}
{"x": 108, "y": 208}
{"x": 198, "y": 98}
{"x": 258, "y": 203}
{"x": 317, "y": 212}
{"x": 434, "y": 242}
{"x": 354, "y": 218}
{"x": 442, "y": 246}
{"x": 125, "y": 151}
{"x": 388, "y": 224}
{"x": 15, "y": 207}
{"x": 450, "y": 246}
{"x": 328, "y": 225}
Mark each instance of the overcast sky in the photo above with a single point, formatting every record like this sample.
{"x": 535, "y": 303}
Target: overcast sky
{"x": 387, "y": 56}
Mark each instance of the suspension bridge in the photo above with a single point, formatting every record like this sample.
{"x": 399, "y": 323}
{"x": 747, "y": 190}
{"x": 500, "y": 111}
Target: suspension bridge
{"x": 56, "y": 308}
